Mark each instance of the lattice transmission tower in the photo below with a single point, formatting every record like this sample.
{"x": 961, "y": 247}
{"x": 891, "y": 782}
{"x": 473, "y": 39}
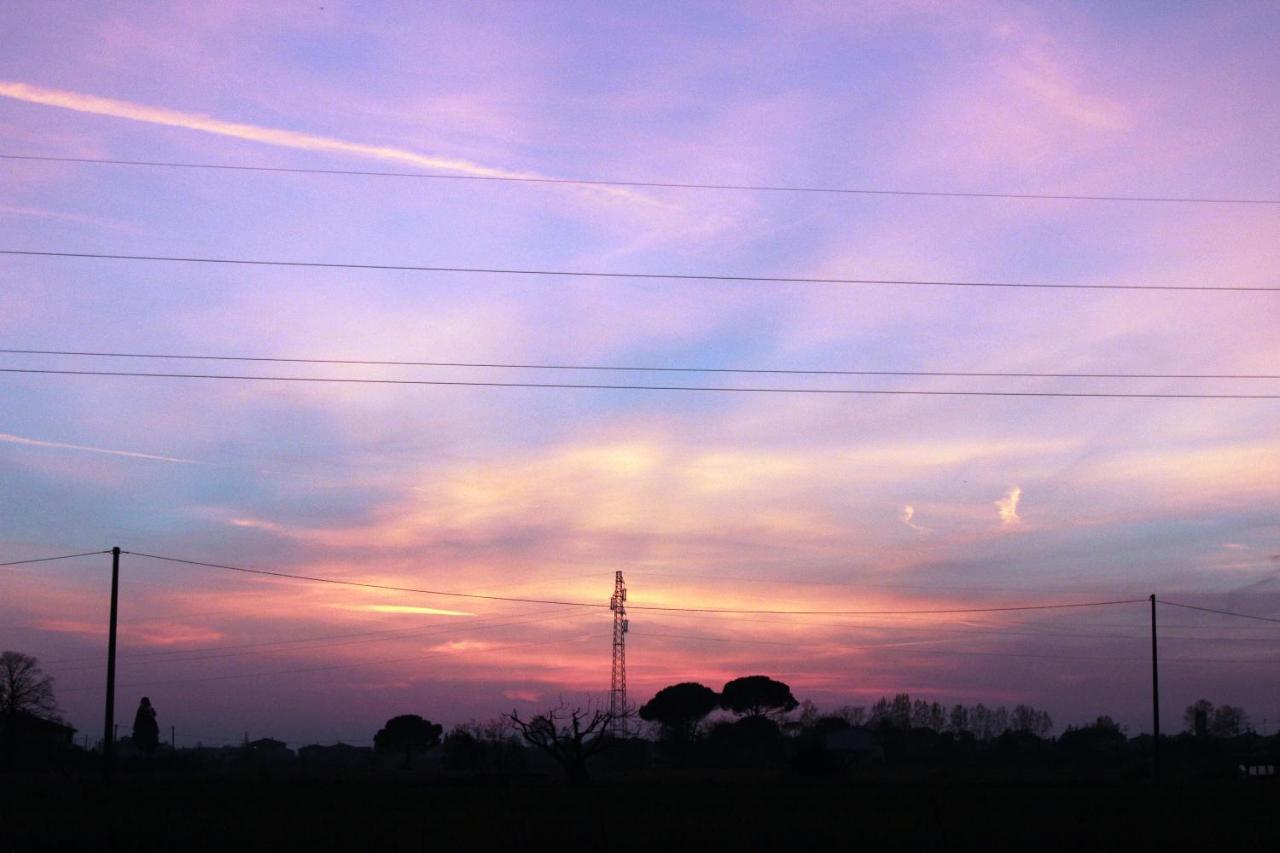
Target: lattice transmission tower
{"x": 618, "y": 685}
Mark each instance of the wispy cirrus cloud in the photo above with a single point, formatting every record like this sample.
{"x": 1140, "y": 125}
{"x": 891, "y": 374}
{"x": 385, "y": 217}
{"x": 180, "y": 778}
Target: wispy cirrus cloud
{"x": 95, "y": 105}
{"x": 7, "y": 438}
{"x": 61, "y": 216}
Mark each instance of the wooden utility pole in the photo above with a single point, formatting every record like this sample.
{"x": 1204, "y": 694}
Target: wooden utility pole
{"x": 109, "y": 724}
{"x": 1155, "y": 699}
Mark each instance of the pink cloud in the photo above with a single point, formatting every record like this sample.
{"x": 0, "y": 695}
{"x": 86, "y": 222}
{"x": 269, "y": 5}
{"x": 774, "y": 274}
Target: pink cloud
{"x": 149, "y": 635}
{"x": 523, "y": 695}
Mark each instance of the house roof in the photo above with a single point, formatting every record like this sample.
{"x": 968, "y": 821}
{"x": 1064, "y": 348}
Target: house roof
{"x": 35, "y": 723}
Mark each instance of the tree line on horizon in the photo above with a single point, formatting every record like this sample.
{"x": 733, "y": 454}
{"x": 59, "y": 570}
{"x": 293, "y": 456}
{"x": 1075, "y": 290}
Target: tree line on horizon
{"x": 680, "y": 708}
{"x": 764, "y": 713}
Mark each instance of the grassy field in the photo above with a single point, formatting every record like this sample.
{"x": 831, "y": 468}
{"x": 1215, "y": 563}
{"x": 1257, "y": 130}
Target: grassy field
{"x": 662, "y": 810}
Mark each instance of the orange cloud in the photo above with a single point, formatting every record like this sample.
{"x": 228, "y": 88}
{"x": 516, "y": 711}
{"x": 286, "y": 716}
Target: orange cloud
{"x": 1007, "y": 506}
{"x": 152, "y": 634}
{"x": 408, "y": 608}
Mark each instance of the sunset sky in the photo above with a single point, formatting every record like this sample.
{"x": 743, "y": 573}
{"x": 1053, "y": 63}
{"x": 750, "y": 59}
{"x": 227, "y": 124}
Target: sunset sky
{"x": 758, "y": 501}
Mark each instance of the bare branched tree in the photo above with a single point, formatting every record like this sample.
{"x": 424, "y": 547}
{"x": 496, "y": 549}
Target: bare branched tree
{"x": 569, "y": 735}
{"x": 24, "y": 687}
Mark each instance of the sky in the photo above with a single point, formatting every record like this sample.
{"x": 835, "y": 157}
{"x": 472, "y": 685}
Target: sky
{"x": 756, "y": 501}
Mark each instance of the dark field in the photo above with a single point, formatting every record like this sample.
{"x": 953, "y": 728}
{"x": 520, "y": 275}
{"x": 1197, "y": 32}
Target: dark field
{"x": 650, "y": 813}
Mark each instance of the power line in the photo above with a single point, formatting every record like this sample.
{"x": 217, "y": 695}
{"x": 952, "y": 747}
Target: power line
{"x": 970, "y": 626}
{"x": 898, "y": 648}
{"x": 1220, "y": 612}
{"x": 764, "y": 279}
{"x": 51, "y": 559}
{"x": 1163, "y": 626}
{"x": 915, "y": 630}
{"x": 933, "y": 612}
{"x": 775, "y": 581}
{"x": 223, "y": 652}
{"x": 653, "y": 607}
{"x": 195, "y": 655}
{"x": 920, "y": 633}
{"x": 638, "y": 369}
{"x": 1147, "y": 660}
{"x": 365, "y": 585}
{"x": 678, "y": 185}
{"x": 598, "y": 386}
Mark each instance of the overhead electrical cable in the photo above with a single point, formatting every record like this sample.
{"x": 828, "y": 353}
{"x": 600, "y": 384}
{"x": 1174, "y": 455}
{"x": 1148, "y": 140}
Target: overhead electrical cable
{"x": 276, "y": 647}
{"x": 648, "y": 276}
{"x": 915, "y": 630}
{"x": 633, "y": 368}
{"x": 677, "y": 185}
{"x": 363, "y": 584}
{"x": 1165, "y": 628}
{"x": 633, "y": 606}
{"x": 900, "y": 648}
{"x": 599, "y": 386}
{"x": 52, "y": 559}
{"x": 1219, "y": 612}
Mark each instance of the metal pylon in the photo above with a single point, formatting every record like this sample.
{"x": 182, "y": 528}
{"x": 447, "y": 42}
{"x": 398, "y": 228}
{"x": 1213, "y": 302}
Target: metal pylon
{"x": 618, "y": 683}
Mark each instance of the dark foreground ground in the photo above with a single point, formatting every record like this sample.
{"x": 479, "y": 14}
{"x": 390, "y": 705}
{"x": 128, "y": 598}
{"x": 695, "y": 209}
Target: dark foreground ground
{"x": 656, "y": 813}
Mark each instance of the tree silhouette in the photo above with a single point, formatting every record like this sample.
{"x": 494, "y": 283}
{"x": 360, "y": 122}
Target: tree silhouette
{"x": 958, "y": 719}
{"x": 461, "y": 750}
{"x": 569, "y": 735}
{"x": 854, "y": 715}
{"x": 407, "y": 733}
{"x": 24, "y": 688}
{"x": 754, "y": 740}
{"x": 679, "y": 709}
{"x": 1101, "y": 740}
{"x": 146, "y": 733}
{"x": 757, "y": 696}
{"x": 1228, "y": 721}
{"x": 1196, "y": 717}
{"x": 1217, "y": 721}
{"x": 1027, "y": 719}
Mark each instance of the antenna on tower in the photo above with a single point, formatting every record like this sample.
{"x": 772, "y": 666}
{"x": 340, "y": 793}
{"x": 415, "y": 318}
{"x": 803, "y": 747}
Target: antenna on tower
{"x": 618, "y": 685}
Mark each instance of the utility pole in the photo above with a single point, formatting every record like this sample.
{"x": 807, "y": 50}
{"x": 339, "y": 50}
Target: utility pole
{"x": 618, "y": 682}
{"x": 173, "y": 740}
{"x": 109, "y": 723}
{"x": 1155, "y": 699}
